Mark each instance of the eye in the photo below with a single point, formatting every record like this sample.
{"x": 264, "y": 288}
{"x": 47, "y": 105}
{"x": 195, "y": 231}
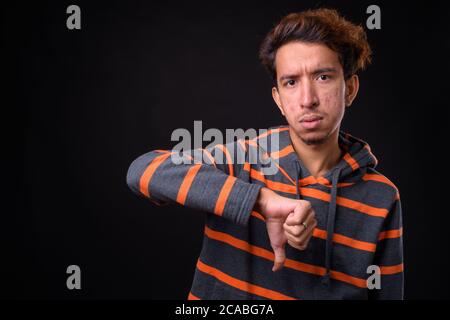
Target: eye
{"x": 290, "y": 83}
{"x": 324, "y": 77}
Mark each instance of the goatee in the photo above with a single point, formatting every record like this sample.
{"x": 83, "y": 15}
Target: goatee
{"x": 314, "y": 141}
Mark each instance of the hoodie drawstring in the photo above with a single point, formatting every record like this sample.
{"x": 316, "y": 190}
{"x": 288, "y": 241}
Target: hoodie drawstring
{"x": 297, "y": 187}
{"x": 330, "y": 219}
{"x": 330, "y": 226}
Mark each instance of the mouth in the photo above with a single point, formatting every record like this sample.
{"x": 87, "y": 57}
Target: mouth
{"x": 311, "y": 122}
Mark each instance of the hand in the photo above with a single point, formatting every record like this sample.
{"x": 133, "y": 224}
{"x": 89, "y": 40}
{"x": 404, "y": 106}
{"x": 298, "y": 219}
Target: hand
{"x": 299, "y": 225}
{"x": 284, "y": 218}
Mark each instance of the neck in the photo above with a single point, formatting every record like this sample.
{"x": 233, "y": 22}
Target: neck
{"x": 318, "y": 159}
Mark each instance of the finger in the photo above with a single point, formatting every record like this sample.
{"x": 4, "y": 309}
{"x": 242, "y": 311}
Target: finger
{"x": 302, "y": 240}
{"x": 298, "y": 229}
{"x": 307, "y": 232}
{"x": 309, "y": 215}
{"x": 306, "y": 242}
{"x": 296, "y": 246}
{"x": 280, "y": 257}
{"x": 309, "y": 221}
{"x": 294, "y": 230}
{"x": 299, "y": 214}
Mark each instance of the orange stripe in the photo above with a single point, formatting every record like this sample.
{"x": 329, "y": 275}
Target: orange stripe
{"x": 149, "y": 171}
{"x": 318, "y": 194}
{"x": 210, "y": 157}
{"x": 382, "y": 179}
{"x": 280, "y": 168}
{"x": 252, "y": 143}
{"x": 344, "y": 184}
{"x": 242, "y": 285}
{"x": 379, "y": 178}
{"x": 387, "y": 270}
{"x": 347, "y": 241}
{"x": 187, "y": 182}
{"x": 350, "y": 161}
{"x": 265, "y": 155}
{"x": 355, "y": 205}
{"x": 192, "y": 297}
{"x": 227, "y": 155}
{"x": 361, "y": 207}
{"x": 246, "y": 164}
{"x": 338, "y": 238}
{"x": 321, "y": 195}
{"x": 285, "y": 173}
{"x": 390, "y": 234}
{"x": 188, "y": 156}
{"x": 223, "y": 195}
{"x": 261, "y": 252}
{"x": 323, "y": 181}
{"x": 296, "y": 265}
{"x": 307, "y": 180}
{"x": 282, "y": 153}
{"x": 278, "y": 186}
{"x": 305, "y": 267}
{"x": 319, "y": 233}
{"x": 258, "y": 215}
{"x": 358, "y": 282}
{"x": 255, "y": 174}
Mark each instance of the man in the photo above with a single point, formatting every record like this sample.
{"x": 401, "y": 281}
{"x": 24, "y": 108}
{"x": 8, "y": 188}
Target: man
{"x": 315, "y": 228}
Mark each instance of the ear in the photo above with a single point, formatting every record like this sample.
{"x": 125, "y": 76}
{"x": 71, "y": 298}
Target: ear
{"x": 351, "y": 89}
{"x": 276, "y": 98}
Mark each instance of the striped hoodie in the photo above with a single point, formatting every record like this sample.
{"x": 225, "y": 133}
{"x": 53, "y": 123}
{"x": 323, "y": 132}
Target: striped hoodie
{"x": 358, "y": 212}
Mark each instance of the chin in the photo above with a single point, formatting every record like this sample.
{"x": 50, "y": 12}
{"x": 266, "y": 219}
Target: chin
{"x": 313, "y": 137}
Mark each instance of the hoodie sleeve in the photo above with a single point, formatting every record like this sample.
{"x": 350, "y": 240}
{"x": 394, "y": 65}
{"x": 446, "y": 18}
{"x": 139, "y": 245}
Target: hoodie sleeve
{"x": 389, "y": 256}
{"x": 214, "y": 180}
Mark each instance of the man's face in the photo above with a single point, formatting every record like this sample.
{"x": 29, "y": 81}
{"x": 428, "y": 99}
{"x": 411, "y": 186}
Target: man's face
{"x": 312, "y": 92}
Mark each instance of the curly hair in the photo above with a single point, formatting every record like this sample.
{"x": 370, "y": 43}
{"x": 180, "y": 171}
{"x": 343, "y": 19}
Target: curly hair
{"x": 324, "y": 26}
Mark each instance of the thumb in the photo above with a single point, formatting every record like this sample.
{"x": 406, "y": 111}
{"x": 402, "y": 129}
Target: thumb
{"x": 280, "y": 257}
{"x": 278, "y": 241}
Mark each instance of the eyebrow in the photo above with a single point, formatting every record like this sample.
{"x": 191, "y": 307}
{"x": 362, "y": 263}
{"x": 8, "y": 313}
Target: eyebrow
{"x": 315, "y": 72}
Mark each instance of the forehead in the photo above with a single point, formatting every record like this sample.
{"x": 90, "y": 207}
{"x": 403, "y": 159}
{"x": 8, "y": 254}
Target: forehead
{"x": 297, "y": 57}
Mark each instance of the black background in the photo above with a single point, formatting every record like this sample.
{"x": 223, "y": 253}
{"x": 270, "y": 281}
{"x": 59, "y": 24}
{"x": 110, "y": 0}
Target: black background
{"x": 80, "y": 105}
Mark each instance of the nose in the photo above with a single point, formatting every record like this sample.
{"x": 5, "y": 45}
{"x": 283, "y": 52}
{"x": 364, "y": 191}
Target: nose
{"x": 308, "y": 95}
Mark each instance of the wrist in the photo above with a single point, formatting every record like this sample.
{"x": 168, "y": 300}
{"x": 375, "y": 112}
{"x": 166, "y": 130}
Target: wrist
{"x": 261, "y": 201}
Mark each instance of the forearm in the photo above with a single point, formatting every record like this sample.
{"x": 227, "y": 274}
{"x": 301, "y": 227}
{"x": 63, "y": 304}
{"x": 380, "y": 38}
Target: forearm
{"x": 195, "y": 185}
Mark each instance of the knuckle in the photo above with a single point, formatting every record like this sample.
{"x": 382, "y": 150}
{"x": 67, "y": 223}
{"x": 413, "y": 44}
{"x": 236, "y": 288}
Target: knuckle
{"x": 306, "y": 205}
{"x": 297, "y": 232}
{"x": 297, "y": 219}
